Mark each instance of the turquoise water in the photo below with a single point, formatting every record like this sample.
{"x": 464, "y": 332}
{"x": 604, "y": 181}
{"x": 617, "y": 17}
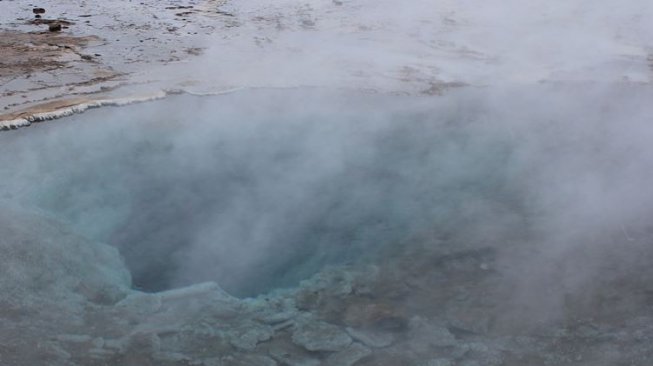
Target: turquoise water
{"x": 260, "y": 189}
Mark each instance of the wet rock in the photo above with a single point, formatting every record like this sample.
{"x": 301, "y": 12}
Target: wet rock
{"x": 102, "y": 353}
{"x": 74, "y": 338}
{"x": 375, "y": 315}
{"x": 371, "y": 338}
{"x": 324, "y": 288}
{"x": 469, "y": 318}
{"x": 349, "y": 356}
{"x": 470, "y": 363}
{"x": 477, "y": 347}
{"x": 171, "y": 357}
{"x": 204, "y": 289}
{"x": 241, "y": 360}
{"x": 247, "y": 338}
{"x": 55, "y": 352}
{"x": 41, "y": 257}
{"x": 273, "y": 310}
{"x": 115, "y": 345}
{"x": 426, "y": 334}
{"x": 281, "y": 326}
{"x": 277, "y": 318}
{"x": 148, "y": 343}
{"x": 140, "y": 303}
{"x": 290, "y": 355}
{"x": 439, "y": 362}
{"x": 490, "y": 353}
{"x": 320, "y": 336}
{"x": 214, "y": 361}
{"x": 207, "y": 297}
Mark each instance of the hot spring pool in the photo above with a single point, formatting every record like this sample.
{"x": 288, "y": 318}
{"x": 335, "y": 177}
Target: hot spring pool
{"x": 258, "y": 190}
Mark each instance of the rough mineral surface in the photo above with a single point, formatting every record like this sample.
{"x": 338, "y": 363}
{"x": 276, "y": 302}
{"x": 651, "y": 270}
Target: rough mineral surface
{"x": 126, "y": 49}
{"x": 319, "y": 336}
{"x": 98, "y": 321}
{"x": 458, "y": 291}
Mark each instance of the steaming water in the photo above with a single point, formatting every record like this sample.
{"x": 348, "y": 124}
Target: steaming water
{"x": 260, "y": 189}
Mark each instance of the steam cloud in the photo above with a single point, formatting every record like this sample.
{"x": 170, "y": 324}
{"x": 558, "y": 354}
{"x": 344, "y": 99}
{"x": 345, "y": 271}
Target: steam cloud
{"x": 259, "y": 189}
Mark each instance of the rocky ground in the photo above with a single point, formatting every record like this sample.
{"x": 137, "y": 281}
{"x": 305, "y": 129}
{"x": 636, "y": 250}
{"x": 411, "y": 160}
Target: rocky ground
{"x": 436, "y": 303}
{"x": 97, "y": 52}
{"x": 442, "y": 301}
{"x": 143, "y": 50}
